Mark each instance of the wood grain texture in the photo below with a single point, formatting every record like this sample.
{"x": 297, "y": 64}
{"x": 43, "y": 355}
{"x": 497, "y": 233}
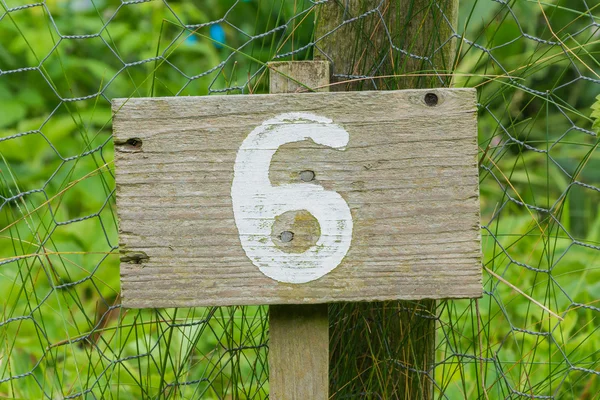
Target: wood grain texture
{"x": 298, "y": 333}
{"x": 298, "y": 352}
{"x": 409, "y": 175}
{"x": 422, "y": 35}
{"x": 298, "y": 76}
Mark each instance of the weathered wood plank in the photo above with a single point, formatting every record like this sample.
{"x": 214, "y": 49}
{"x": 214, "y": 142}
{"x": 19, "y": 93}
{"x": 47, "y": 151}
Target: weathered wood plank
{"x": 408, "y": 175}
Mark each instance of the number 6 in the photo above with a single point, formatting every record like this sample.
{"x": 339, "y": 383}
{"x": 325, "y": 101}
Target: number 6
{"x": 256, "y": 202}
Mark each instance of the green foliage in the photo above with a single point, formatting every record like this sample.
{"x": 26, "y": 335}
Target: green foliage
{"x": 62, "y": 332}
{"x": 596, "y": 114}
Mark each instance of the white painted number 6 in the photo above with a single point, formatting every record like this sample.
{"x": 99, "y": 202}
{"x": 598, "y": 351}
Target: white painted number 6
{"x": 256, "y": 202}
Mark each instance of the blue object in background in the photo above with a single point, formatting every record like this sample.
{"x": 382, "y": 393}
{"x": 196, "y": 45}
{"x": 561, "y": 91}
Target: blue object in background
{"x": 191, "y": 39}
{"x": 217, "y": 33}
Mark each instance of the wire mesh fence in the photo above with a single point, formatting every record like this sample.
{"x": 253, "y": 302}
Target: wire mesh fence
{"x": 63, "y": 334}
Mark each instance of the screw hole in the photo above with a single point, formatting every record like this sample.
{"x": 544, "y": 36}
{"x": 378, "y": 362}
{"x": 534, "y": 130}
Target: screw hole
{"x": 286, "y": 236}
{"x": 134, "y": 142}
{"x": 431, "y": 99}
{"x": 307, "y": 176}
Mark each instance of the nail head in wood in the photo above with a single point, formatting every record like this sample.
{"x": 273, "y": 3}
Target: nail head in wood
{"x": 431, "y": 99}
{"x": 307, "y": 176}
{"x": 286, "y": 236}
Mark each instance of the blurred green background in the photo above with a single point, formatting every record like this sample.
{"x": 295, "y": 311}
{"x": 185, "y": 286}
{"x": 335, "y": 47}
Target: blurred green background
{"x": 62, "y": 332}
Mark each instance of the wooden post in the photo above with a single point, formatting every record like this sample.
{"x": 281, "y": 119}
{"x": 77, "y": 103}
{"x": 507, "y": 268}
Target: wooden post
{"x": 298, "y": 334}
{"x": 401, "y": 334}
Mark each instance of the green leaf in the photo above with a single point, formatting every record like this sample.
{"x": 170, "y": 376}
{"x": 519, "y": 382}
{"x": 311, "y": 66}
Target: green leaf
{"x": 596, "y": 114}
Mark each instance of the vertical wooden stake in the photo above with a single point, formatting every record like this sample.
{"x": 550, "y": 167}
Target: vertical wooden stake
{"x": 298, "y": 334}
{"x": 299, "y": 352}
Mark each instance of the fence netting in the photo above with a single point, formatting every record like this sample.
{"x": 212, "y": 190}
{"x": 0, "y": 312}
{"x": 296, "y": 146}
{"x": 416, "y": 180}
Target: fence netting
{"x": 63, "y": 333}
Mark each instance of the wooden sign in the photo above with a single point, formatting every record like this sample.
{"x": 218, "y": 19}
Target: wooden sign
{"x": 298, "y": 198}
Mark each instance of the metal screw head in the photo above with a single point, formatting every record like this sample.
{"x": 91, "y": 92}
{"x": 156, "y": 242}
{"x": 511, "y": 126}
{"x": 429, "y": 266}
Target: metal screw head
{"x": 431, "y": 99}
{"x": 307, "y": 176}
{"x": 286, "y": 236}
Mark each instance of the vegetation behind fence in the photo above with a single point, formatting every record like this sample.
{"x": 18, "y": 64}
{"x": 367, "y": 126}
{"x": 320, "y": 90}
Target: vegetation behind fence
{"x": 535, "y": 64}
